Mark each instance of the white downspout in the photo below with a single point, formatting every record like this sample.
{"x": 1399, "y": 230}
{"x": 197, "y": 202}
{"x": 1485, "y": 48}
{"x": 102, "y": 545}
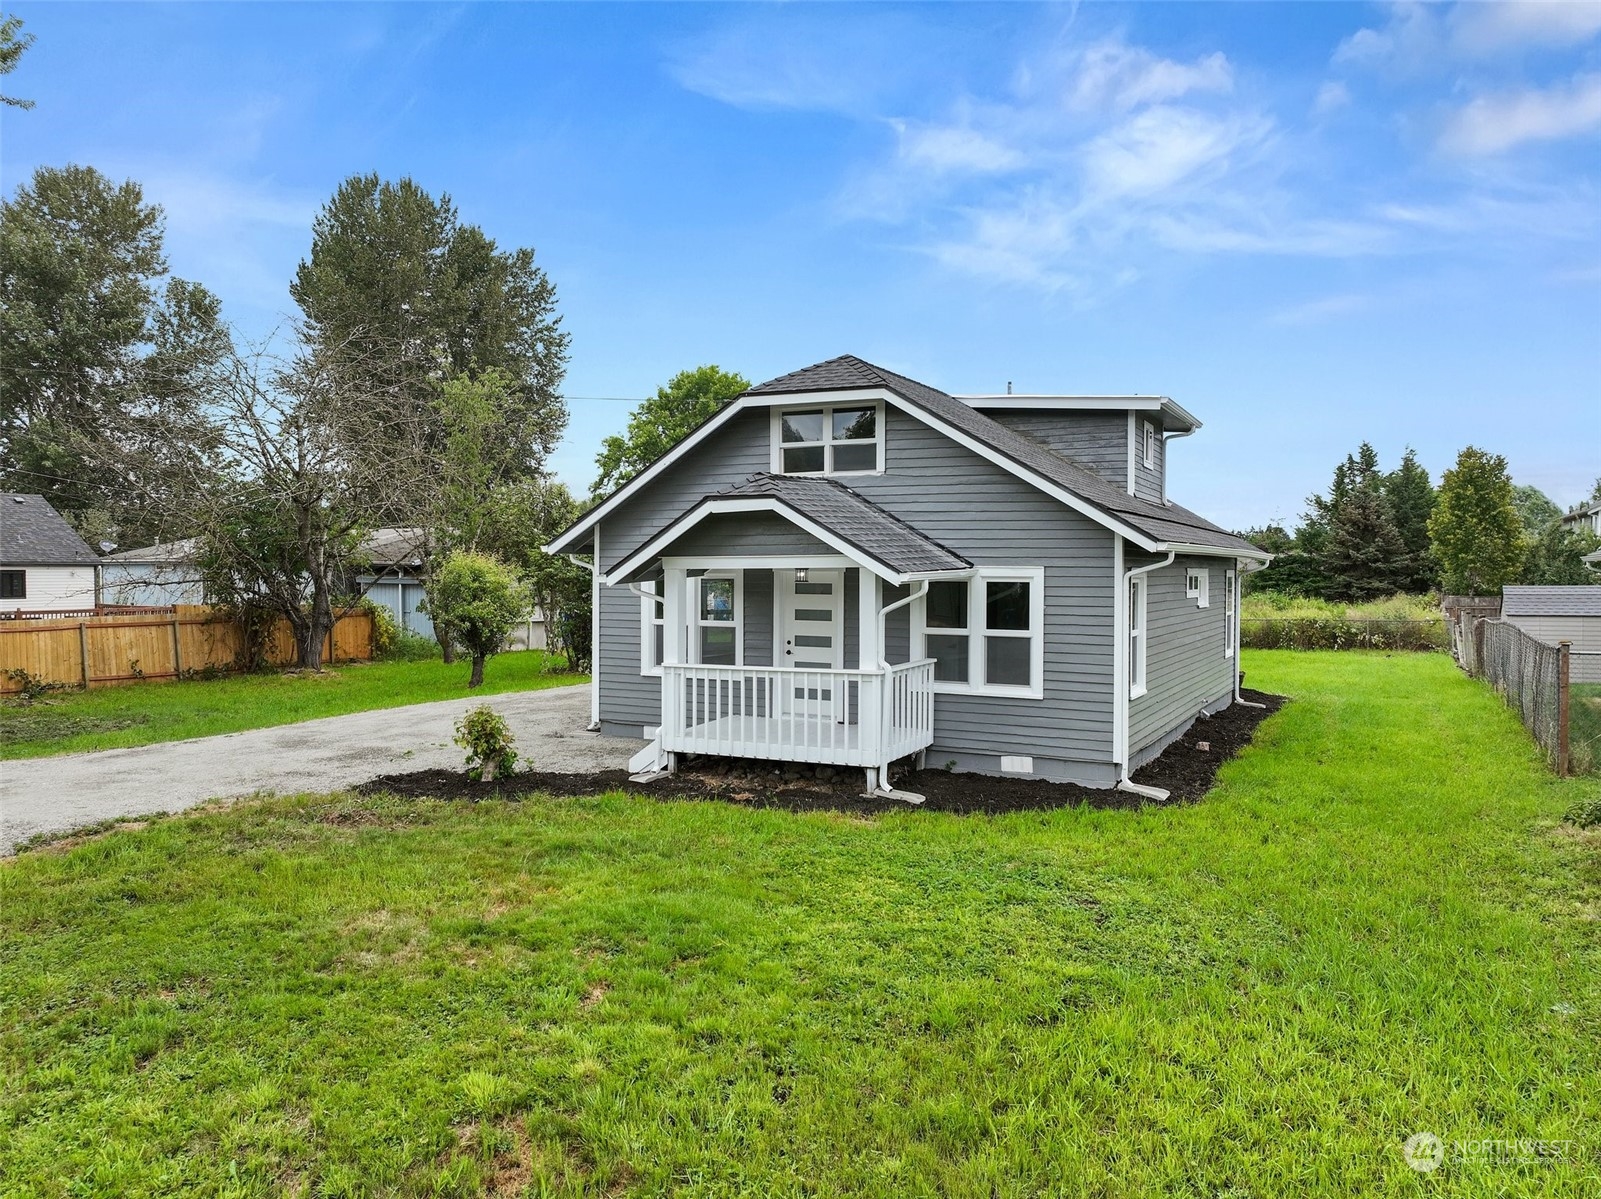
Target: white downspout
{"x": 1167, "y": 437}
{"x": 880, "y": 784}
{"x": 1123, "y": 782}
{"x": 1239, "y": 594}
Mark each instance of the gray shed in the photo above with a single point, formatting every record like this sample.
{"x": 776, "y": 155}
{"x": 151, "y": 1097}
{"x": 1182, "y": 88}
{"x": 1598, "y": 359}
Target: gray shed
{"x": 1553, "y": 614}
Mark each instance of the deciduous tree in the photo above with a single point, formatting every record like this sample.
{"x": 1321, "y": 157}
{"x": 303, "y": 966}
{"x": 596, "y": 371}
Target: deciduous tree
{"x": 1477, "y": 536}
{"x": 476, "y": 599}
{"x": 13, "y": 44}
{"x": 661, "y": 422}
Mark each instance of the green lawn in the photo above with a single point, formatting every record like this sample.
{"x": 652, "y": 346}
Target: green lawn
{"x": 141, "y": 713}
{"x": 1372, "y": 927}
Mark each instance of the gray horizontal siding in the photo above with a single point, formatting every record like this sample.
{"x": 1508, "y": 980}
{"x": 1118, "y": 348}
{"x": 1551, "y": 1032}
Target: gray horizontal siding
{"x": 1148, "y": 483}
{"x": 965, "y": 503}
{"x": 1185, "y": 667}
{"x": 738, "y": 534}
{"x": 1098, "y": 440}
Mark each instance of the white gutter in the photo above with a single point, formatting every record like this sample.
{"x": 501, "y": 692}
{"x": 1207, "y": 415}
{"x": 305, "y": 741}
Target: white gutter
{"x": 1123, "y": 782}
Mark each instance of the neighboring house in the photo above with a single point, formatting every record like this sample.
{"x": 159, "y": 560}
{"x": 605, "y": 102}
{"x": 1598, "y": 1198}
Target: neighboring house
{"x": 44, "y": 565}
{"x": 1587, "y": 517}
{"x": 165, "y": 574}
{"x": 157, "y": 576}
{"x": 847, "y": 566}
{"x": 1553, "y": 614}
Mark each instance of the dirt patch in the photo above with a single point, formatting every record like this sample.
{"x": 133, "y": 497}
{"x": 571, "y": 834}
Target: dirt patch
{"x": 1187, "y": 769}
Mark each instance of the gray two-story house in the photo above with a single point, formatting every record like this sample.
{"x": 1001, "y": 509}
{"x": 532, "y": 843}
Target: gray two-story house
{"x": 847, "y": 566}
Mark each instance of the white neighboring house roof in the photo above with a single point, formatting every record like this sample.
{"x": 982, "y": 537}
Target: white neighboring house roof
{"x": 163, "y": 553}
{"x": 1578, "y": 600}
{"x": 32, "y": 533}
{"x": 386, "y": 547}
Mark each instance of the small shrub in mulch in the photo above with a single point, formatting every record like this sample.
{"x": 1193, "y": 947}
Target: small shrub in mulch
{"x": 1185, "y": 769}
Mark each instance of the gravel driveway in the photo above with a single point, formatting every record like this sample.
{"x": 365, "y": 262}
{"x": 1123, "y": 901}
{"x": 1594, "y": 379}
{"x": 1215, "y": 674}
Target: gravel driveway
{"x": 55, "y": 794}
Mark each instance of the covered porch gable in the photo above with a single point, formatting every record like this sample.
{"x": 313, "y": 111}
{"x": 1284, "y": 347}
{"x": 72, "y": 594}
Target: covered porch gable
{"x": 763, "y": 615}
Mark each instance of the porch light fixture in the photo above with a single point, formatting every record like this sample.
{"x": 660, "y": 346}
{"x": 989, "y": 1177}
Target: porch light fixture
{"x": 800, "y": 574}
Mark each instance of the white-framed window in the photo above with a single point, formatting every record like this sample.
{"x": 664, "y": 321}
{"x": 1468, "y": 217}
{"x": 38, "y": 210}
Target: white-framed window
{"x": 715, "y": 620}
{"x": 1228, "y": 613}
{"x": 652, "y": 629}
{"x": 1150, "y": 446}
{"x": 986, "y": 634}
{"x": 1136, "y": 636}
{"x": 832, "y": 439}
{"x": 1198, "y": 585}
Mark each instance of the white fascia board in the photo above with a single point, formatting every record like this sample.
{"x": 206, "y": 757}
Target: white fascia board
{"x": 1173, "y": 413}
{"x": 748, "y": 504}
{"x": 1212, "y": 551}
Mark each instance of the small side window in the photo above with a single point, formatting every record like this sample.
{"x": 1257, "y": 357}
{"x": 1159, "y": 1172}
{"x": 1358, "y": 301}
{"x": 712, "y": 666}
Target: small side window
{"x": 1228, "y": 613}
{"x": 1197, "y": 586}
{"x": 1150, "y": 446}
{"x": 13, "y": 584}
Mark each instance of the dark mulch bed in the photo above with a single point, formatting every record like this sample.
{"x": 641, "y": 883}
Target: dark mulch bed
{"x": 1185, "y": 769}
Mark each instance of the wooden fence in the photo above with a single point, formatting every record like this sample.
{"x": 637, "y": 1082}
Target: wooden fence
{"x": 93, "y": 651}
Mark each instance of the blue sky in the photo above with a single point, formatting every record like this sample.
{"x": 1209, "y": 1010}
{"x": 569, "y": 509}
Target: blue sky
{"x": 1309, "y": 224}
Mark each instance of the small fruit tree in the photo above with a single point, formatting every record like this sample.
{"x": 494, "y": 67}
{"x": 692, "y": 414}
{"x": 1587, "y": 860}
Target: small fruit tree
{"x": 475, "y": 600}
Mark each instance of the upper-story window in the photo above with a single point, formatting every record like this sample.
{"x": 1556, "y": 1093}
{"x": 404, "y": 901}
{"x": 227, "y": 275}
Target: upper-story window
{"x": 1150, "y": 446}
{"x": 840, "y": 439}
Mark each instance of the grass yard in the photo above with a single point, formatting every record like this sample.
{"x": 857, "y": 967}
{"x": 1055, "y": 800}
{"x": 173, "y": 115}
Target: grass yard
{"x": 142, "y": 713}
{"x": 1373, "y": 927}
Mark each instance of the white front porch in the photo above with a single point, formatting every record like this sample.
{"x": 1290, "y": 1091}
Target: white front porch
{"x": 865, "y": 718}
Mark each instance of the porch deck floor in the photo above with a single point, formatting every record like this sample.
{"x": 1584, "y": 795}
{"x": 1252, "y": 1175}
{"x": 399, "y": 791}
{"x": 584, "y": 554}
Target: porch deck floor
{"x": 785, "y": 738}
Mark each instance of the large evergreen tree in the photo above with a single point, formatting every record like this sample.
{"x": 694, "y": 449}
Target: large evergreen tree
{"x": 1364, "y": 557}
{"x": 396, "y": 280}
{"x": 90, "y": 341}
{"x": 662, "y": 421}
{"x": 1477, "y": 536}
{"x": 1410, "y": 495}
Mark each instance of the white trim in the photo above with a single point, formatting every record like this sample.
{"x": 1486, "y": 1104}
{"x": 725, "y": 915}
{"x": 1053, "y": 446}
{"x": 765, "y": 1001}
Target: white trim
{"x": 977, "y": 655}
{"x": 648, "y": 620}
{"x": 1119, "y": 657}
{"x": 778, "y": 444}
{"x": 823, "y": 398}
{"x": 595, "y": 628}
{"x": 697, "y": 622}
{"x": 1138, "y": 635}
{"x": 1133, "y": 451}
{"x": 1231, "y": 613}
{"x": 720, "y": 507}
{"x": 1163, "y": 404}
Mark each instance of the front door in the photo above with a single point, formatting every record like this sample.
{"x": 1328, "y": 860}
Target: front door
{"x": 811, "y": 620}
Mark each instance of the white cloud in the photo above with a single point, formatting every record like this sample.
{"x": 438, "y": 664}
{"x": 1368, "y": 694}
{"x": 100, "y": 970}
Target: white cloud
{"x": 953, "y": 148}
{"x": 1161, "y": 147}
{"x": 1493, "y": 124}
{"x": 1419, "y": 37}
{"x": 1112, "y": 74}
{"x": 1331, "y": 97}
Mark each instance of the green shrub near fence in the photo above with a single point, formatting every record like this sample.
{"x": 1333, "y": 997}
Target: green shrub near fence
{"x": 1338, "y": 633}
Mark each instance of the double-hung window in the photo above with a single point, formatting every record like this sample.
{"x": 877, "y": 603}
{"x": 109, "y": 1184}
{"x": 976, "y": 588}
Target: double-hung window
{"x": 1198, "y": 586}
{"x": 840, "y": 439}
{"x": 652, "y": 629}
{"x": 986, "y": 634}
{"x": 13, "y": 584}
{"x": 1136, "y": 637}
{"x": 1228, "y": 613}
{"x": 717, "y": 605}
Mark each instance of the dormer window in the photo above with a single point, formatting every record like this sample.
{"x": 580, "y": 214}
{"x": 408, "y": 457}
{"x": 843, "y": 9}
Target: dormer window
{"x": 847, "y": 439}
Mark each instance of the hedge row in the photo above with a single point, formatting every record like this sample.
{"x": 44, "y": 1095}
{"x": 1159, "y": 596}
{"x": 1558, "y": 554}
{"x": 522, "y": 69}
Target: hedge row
{"x": 1335, "y": 633}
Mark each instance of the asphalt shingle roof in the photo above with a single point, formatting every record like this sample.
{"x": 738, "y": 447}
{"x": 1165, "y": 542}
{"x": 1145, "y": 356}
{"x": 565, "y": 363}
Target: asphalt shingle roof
{"x": 32, "y": 533}
{"x": 880, "y": 535}
{"x": 1551, "y": 601}
{"x": 1163, "y": 522}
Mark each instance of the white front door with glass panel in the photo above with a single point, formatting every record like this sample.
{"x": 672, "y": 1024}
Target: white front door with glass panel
{"x": 811, "y": 625}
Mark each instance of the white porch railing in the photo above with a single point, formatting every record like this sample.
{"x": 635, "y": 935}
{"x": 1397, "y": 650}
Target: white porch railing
{"x": 840, "y": 717}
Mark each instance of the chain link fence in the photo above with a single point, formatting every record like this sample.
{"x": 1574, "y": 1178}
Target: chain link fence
{"x": 1547, "y": 685}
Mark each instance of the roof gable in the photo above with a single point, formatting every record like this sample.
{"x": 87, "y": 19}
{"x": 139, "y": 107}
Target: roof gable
{"x": 32, "y": 533}
{"x": 1146, "y": 523}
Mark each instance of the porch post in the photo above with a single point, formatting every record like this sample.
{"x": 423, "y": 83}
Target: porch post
{"x": 674, "y": 646}
{"x": 867, "y": 605}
